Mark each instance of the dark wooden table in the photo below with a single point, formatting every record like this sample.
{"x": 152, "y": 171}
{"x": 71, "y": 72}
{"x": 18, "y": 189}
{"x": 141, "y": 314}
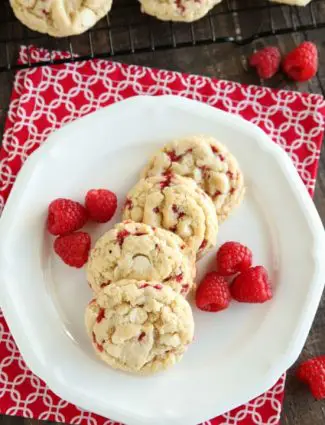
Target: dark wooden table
{"x": 229, "y": 62}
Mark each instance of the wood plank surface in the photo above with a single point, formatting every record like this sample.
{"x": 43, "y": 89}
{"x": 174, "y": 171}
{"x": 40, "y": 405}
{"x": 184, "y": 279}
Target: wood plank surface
{"x": 229, "y": 62}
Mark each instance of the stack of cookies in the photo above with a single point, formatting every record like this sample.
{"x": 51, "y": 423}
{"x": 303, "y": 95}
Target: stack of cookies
{"x": 142, "y": 269}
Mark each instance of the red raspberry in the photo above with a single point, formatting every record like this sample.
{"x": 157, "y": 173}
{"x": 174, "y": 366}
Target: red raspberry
{"x": 266, "y": 61}
{"x": 252, "y": 286}
{"x": 233, "y": 257}
{"x": 301, "y": 63}
{"x": 73, "y": 249}
{"x": 101, "y": 204}
{"x": 213, "y": 293}
{"x": 65, "y": 216}
{"x": 312, "y": 372}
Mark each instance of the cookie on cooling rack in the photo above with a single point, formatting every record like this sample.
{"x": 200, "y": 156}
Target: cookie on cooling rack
{"x": 178, "y": 10}
{"x": 292, "y": 2}
{"x": 60, "y": 18}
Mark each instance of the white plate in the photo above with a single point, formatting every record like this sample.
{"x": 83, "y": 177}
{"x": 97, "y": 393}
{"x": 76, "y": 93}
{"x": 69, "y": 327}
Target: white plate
{"x": 237, "y": 354}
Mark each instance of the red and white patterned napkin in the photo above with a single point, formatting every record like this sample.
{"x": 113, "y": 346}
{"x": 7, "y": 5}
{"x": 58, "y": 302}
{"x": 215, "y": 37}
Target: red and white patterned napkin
{"x": 43, "y": 99}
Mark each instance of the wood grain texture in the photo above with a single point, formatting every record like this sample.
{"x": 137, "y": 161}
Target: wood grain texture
{"x": 229, "y": 62}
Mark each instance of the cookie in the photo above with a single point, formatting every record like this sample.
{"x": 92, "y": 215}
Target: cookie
{"x": 138, "y": 251}
{"x": 178, "y": 10}
{"x": 177, "y": 204}
{"x": 60, "y": 18}
{"x": 138, "y": 326}
{"x": 292, "y": 2}
{"x": 209, "y": 163}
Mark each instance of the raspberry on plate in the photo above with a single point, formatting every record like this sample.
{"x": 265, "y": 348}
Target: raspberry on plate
{"x": 233, "y": 257}
{"x": 101, "y": 204}
{"x": 213, "y": 293}
{"x": 65, "y": 216}
{"x": 252, "y": 286}
{"x": 312, "y": 372}
{"x": 266, "y": 61}
{"x": 73, "y": 249}
{"x": 301, "y": 63}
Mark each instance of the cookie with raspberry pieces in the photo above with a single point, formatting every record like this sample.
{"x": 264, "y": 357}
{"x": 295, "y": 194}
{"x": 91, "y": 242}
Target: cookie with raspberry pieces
{"x": 206, "y": 161}
{"x": 178, "y": 10}
{"x": 60, "y": 18}
{"x": 177, "y": 204}
{"x": 138, "y": 326}
{"x": 137, "y": 251}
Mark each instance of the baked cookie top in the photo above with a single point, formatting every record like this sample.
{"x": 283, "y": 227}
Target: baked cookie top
{"x": 138, "y": 251}
{"x": 206, "y": 161}
{"x": 292, "y": 2}
{"x": 178, "y": 10}
{"x": 177, "y": 204}
{"x": 60, "y": 18}
{"x": 139, "y": 326}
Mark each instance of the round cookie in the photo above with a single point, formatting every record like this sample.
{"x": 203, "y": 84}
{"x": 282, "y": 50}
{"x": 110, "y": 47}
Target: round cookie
{"x": 178, "y": 10}
{"x": 60, "y": 18}
{"x": 209, "y": 163}
{"x": 140, "y": 327}
{"x": 138, "y": 251}
{"x": 292, "y": 2}
{"x": 177, "y": 204}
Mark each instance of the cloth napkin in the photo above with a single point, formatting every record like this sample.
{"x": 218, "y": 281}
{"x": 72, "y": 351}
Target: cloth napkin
{"x": 43, "y": 99}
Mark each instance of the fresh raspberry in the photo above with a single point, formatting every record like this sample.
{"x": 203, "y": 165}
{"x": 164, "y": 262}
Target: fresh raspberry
{"x": 213, "y": 293}
{"x": 252, "y": 286}
{"x": 73, "y": 249}
{"x": 266, "y": 61}
{"x": 101, "y": 204}
{"x": 233, "y": 257}
{"x": 65, "y": 216}
{"x": 301, "y": 63}
{"x": 312, "y": 372}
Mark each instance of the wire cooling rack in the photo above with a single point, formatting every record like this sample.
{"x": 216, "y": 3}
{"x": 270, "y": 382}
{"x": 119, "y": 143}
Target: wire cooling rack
{"x": 127, "y": 31}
